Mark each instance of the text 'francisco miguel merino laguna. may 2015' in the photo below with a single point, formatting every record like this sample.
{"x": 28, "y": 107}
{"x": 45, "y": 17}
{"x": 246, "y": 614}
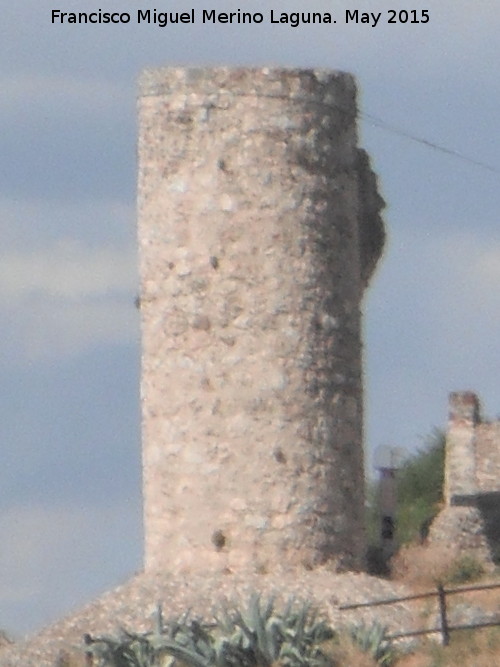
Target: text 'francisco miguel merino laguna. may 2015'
{"x": 212, "y": 17}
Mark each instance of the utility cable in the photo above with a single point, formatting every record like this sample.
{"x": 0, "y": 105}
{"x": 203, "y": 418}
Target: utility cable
{"x": 378, "y": 122}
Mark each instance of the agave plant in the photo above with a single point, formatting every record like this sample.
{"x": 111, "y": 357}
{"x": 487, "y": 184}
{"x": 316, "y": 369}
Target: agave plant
{"x": 372, "y": 640}
{"x": 186, "y": 642}
{"x": 127, "y": 650}
{"x": 256, "y": 637}
{"x": 292, "y": 638}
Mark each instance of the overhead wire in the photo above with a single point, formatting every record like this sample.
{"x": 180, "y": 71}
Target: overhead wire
{"x": 378, "y": 122}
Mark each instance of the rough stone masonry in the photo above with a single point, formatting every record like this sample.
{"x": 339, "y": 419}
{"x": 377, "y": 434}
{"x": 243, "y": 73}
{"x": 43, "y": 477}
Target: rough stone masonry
{"x": 470, "y": 518}
{"x": 259, "y": 228}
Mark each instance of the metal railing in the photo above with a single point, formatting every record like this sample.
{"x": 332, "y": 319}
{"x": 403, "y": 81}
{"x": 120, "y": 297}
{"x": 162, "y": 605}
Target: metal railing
{"x": 445, "y": 628}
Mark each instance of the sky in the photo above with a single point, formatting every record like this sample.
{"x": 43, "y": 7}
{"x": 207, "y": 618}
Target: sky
{"x": 70, "y": 486}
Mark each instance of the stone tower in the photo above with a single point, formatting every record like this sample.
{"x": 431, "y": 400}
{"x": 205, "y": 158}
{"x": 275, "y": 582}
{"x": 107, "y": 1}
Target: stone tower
{"x": 259, "y": 228}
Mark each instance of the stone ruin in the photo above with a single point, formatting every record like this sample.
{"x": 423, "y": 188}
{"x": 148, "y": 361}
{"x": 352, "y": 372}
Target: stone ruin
{"x": 470, "y": 519}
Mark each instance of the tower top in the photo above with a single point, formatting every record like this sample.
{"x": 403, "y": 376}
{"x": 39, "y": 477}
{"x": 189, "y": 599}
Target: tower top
{"x": 313, "y": 85}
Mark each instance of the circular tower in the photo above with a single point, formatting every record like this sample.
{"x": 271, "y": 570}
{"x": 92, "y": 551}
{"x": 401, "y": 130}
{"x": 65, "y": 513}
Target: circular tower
{"x": 259, "y": 227}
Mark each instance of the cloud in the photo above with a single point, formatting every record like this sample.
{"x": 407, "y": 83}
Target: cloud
{"x": 53, "y": 93}
{"x": 442, "y": 281}
{"x": 486, "y": 267}
{"x": 62, "y": 299}
{"x": 68, "y": 271}
{"x": 53, "y": 556}
{"x": 66, "y": 136}
{"x": 470, "y": 278}
{"x": 432, "y": 325}
{"x": 31, "y": 223}
{"x": 52, "y": 329}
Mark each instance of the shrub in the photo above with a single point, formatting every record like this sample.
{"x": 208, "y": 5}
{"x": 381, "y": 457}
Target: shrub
{"x": 464, "y": 569}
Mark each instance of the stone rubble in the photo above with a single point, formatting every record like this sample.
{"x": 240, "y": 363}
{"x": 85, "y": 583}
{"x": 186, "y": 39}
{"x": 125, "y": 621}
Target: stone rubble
{"x": 133, "y": 605}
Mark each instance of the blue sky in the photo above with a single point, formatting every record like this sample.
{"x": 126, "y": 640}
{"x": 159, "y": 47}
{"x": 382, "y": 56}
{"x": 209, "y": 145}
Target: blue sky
{"x": 70, "y": 498}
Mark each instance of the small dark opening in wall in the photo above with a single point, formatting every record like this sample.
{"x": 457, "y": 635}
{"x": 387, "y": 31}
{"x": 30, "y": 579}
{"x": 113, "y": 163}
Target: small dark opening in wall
{"x": 279, "y": 456}
{"x": 218, "y": 540}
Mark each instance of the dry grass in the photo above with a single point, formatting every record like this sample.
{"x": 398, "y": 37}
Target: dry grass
{"x": 345, "y": 652}
{"x": 421, "y": 567}
{"x": 480, "y": 648}
{"x": 71, "y": 659}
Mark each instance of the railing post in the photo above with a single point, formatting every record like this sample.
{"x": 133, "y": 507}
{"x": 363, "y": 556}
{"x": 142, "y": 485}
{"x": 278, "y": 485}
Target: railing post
{"x": 445, "y": 632}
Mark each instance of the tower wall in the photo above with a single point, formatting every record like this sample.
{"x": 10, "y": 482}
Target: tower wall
{"x": 258, "y": 228}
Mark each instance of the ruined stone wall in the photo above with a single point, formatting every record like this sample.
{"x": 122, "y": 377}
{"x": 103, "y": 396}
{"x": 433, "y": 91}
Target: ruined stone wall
{"x": 470, "y": 520}
{"x": 259, "y": 227}
{"x": 460, "y": 456}
{"x": 488, "y": 456}
{"x": 472, "y": 450}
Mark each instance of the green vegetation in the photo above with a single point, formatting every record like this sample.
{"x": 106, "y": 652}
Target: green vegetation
{"x": 257, "y": 637}
{"x": 464, "y": 569}
{"x": 420, "y": 489}
{"x": 419, "y": 485}
{"x": 371, "y": 639}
